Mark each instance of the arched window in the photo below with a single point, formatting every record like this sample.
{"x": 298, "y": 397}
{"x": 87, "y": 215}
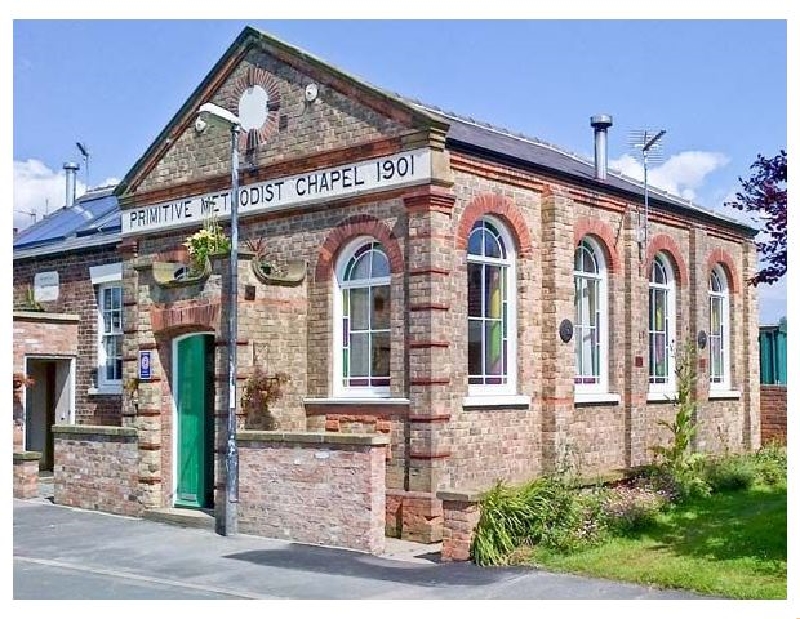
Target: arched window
{"x": 591, "y": 318}
{"x": 719, "y": 329}
{"x": 362, "y": 311}
{"x": 662, "y": 326}
{"x": 491, "y": 309}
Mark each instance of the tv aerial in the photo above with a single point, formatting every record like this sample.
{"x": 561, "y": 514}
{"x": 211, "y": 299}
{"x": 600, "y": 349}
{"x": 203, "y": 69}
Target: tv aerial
{"x": 648, "y": 148}
{"x": 84, "y": 151}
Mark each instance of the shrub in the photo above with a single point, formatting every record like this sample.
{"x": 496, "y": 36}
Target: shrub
{"x": 631, "y": 509}
{"x": 731, "y": 473}
{"x": 770, "y": 464}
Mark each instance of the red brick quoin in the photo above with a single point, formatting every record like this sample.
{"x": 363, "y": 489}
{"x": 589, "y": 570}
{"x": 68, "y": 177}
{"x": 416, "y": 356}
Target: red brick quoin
{"x": 666, "y": 244}
{"x": 358, "y": 225}
{"x": 602, "y": 232}
{"x": 723, "y": 258}
{"x": 499, "y": 206}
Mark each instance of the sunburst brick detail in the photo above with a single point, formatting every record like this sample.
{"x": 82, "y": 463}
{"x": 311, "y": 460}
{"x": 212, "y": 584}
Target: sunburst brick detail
{"x": 720, "y": 257}
{"x": 186, "y": 317}
{"x": 350, "y": 228}
{"x": 256, "y": 76}
{"x": 505, "y": 209}
{"x": 666, "y": 244}
{"x": 603, "y": 233}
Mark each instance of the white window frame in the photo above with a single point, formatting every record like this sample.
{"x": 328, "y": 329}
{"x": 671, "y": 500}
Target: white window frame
{"x": 601, "y": 386}
{"x": 103, "y": 277}
{"x": 724, "y": 296}
{"x": 667, "y": 388}
{"x": 339, "y": 390}
{"x": 509, "y": 262}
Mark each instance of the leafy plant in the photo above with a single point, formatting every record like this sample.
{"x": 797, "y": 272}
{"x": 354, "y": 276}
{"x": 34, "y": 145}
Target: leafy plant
{"x": 260, "y": 390}
{"x": 770, "y": 464}
{"x": 731, "y": 473}
{"x": 30, "y": 304}
{"x": 680, "y": 462}
{"x": 211, "y": 239}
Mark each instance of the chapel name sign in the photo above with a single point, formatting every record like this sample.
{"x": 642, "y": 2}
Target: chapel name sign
{"x": 408, "y": 168}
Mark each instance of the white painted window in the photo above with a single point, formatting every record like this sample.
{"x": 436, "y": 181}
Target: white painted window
{"x": 109, "y": 353}
{"x": 491, "y": 310}
{"x": 662, "y": 326}
{"x": 362, "y": 321}
{"x": 591, "y": 319}
{"x": 719, "y": 330}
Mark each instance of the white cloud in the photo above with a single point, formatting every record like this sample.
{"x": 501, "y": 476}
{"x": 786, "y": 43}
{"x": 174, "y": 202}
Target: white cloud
{"x": 39, "y": 189}
{"x": 682, "y": 174}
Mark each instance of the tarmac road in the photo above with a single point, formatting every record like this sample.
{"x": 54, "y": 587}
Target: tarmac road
{"x": 64, "y": 553}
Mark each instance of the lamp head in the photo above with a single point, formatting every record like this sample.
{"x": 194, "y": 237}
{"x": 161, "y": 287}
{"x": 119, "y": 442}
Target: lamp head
{"x": 209, "y": 112}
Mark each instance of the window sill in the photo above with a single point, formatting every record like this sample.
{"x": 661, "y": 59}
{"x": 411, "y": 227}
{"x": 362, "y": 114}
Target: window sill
{"x": 662, "y": 397}
{"x": 597, "y": 398}
{"x": 496, "y": 401}
{"x": 336, "y": 400}
{"x": 724, "y": 394}
{"x": 105, "y": 390}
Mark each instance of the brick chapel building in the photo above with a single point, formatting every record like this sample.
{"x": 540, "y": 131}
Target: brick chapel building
{"x": 485, "y": 299}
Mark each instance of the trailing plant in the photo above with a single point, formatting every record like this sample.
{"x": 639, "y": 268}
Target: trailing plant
{"x": 679, "y": 460}
{"x": 211, "y": 239}
{"x": 260, "y": 390}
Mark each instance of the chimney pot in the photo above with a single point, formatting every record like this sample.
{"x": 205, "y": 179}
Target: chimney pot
{"x": 601, "y": 123}
{"x": 71, "y": 168}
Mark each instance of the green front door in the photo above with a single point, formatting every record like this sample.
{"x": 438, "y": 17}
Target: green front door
{"x": 195, "y": 464}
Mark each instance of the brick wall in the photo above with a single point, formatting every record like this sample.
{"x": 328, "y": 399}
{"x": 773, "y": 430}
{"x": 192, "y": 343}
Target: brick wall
{"x": 314, "y": 488}
{"x": 26, "y": 474}
{"x": 773, "y": 413}
{"x": 96, "y": 467}
{"x": 76, "y": 295}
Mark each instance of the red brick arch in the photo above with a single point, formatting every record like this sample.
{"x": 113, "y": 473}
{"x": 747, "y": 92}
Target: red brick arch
{"x": 350, "y": 228}
{"x": 601, "y": 231}
{"x": 665, "y": 243}
{"x": 503, "y": 208}
{"x": 724, "y": 259}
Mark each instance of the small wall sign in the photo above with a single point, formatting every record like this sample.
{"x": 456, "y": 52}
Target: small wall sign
{"x": 45, "y": 286}
{"x": 144, "y": 364}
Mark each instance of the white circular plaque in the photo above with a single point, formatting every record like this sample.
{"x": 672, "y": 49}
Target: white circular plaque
{"x": 253, "y": 107}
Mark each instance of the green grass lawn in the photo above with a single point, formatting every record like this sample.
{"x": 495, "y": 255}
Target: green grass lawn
{"x": 730, "y": 544}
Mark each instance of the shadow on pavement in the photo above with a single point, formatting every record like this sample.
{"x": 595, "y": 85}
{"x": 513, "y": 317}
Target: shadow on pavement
{"x": 346, "y": 563}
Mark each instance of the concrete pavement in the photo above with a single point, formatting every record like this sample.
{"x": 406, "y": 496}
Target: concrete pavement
{"x": 63, "y": 553}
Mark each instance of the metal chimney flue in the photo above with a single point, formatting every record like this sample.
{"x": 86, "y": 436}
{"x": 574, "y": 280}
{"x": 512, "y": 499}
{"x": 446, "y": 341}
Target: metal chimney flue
{"x": 71, "y": 169}
{"x": 600, "y": 123}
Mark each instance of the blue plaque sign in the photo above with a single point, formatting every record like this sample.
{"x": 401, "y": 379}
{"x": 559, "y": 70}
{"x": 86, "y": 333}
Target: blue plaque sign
{"x": 144, "y": 364}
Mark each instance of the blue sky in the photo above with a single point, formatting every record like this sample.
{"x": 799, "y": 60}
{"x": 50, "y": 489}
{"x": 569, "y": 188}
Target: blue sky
{"x": 718, "y": 87}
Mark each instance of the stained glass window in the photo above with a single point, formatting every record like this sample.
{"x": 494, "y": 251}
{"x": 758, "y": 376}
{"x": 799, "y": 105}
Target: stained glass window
{"x": 488, "y": 345}
{"x": 589, "y": 305}
{"x": 718, "y": 329}
{"x": 661, "y": 323}
{"x": 365, "y": 319}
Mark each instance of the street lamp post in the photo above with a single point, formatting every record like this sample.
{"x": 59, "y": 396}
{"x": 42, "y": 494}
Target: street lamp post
{"x": 231, "y": 452}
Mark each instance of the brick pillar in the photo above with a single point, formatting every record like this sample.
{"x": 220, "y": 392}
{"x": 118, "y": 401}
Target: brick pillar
{"x": 698, "y": 300}
{"x": 130, "y": 321}
{"x": 429, "y": 259}
{"x": 557, "y": 304}
{"x": 751, "y": 362}
{"x": 637, "y": 351}
{"x": 461, "y": 515}
{"x": 26, "y": 474}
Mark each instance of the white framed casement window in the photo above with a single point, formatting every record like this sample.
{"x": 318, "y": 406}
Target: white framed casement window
{"x": 491, "y": 310}
{"x": 719, "y": 331}
{"x": 107, "y": 279}
{"x": 362, "y": 321}
{"x": 109, "y": 357}
{"x": 661, "y": 323}
{"x": 591, "y": 319}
